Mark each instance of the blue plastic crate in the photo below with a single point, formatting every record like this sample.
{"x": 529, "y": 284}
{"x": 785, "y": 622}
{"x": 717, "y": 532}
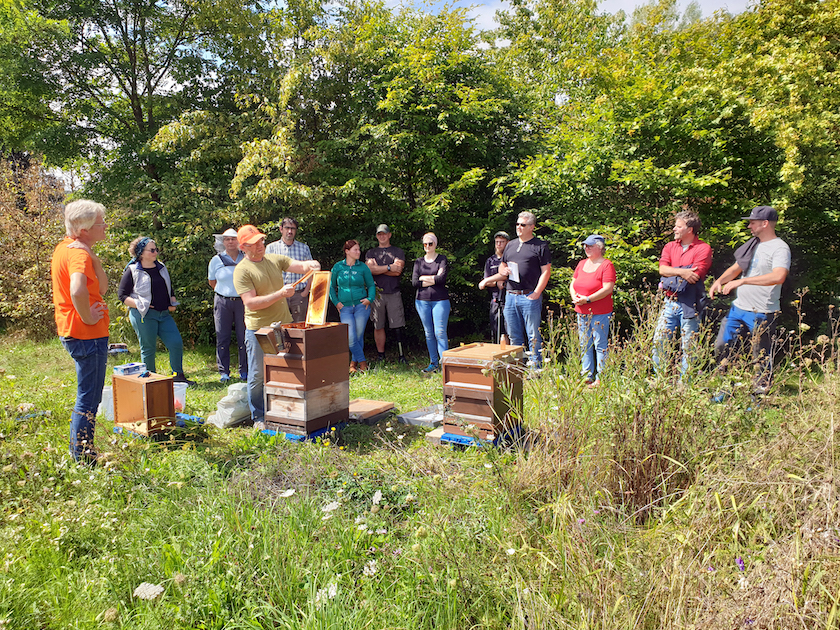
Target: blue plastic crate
{"x": 463, "y": 440}
{"x": 311, "y": 437}
{"x": 513, "y": 434}
{"x": 181, "y": 419}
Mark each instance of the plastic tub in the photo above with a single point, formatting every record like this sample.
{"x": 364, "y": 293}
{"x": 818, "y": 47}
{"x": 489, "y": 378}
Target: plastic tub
{"x": 106, "y": 407}
{"x": 180, "y": 392}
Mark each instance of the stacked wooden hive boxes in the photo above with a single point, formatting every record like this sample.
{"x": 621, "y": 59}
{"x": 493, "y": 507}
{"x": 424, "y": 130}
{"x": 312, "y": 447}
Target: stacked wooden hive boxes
{"x": 307, "y": 385}
{"x": 482, "y": 386}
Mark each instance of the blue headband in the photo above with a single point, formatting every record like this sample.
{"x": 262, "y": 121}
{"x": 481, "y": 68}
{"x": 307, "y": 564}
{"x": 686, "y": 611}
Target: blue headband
{"x": 138, "y": 249}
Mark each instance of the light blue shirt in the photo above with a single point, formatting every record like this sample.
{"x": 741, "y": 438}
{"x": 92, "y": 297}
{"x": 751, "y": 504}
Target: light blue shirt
{"x": 223, "y": 275}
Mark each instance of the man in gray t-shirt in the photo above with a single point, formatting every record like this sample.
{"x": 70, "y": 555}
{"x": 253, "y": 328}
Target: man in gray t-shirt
{"x": 763, "y": 263}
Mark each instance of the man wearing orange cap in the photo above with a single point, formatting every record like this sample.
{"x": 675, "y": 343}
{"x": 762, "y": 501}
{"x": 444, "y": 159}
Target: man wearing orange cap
{"x": 259, "y": 282}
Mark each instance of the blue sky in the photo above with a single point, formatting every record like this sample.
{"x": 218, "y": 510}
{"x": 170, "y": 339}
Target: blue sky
{"x": 483, "y": 11}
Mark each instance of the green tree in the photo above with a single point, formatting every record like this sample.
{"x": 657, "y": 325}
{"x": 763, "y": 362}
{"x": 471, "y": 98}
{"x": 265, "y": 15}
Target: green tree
{"x": 396, "y": 117}
{"x": 25, "y": 90}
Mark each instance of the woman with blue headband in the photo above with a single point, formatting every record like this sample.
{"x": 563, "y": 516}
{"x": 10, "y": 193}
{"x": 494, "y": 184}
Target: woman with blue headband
{"x": 146, "y": 290}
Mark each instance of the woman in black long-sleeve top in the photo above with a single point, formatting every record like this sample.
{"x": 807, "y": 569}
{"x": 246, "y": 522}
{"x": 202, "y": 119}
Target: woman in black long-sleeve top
{"x": 432, "y": 299}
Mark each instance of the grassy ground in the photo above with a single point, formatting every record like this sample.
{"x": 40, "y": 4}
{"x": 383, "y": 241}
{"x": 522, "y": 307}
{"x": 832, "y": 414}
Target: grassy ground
{"x": 637, "y": 505}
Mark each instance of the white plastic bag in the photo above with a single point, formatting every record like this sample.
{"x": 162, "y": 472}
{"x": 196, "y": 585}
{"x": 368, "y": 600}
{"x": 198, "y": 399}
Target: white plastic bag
{"x": 233, "y": 408}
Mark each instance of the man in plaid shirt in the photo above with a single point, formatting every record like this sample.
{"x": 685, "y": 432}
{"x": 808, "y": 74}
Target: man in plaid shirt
{"x": 288, "y": 246}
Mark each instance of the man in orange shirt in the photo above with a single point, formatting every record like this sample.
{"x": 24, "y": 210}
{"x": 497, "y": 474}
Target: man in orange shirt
{"x": 81, "y": 316}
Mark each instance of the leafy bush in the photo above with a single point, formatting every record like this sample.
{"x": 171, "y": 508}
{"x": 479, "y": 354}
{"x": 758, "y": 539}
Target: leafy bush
{"x": 31, "y": 225}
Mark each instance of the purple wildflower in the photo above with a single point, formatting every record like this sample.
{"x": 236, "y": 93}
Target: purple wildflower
{"x": 740, "y": 563}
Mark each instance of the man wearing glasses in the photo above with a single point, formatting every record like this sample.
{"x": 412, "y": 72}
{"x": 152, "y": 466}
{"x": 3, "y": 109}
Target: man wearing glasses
{"x": 294, "y": 249}
{"x": 81, "y": 316}
{"x": 259, "y": 282}
{"x": 526, "y": 267}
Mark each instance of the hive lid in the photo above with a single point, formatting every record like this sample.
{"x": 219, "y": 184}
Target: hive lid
{"x": 483, "y": 352}
{"x": 319, "y": 294}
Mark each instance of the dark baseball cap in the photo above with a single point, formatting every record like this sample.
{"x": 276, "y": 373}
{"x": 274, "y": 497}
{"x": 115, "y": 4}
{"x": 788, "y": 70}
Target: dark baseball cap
{"x": 762, "y": 213}
{"x": 594, "y": 238}
{"x": 501, "y": 234}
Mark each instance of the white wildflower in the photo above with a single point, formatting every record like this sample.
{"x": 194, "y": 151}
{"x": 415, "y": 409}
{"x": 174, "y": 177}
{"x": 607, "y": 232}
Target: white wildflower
{"x": 148, "y": 591}
{"x": 328, "y": 592}
{"x": 370, "y": 568}
{"x": 510, "y": 551}
{"x": 287, "y": 493}
{"x": 377, "y": 497}
{"x": 488, "y": 465}
{"x": 329, "y": 507}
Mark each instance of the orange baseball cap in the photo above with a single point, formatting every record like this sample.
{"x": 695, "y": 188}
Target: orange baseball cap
{"x": 248, "y": 235}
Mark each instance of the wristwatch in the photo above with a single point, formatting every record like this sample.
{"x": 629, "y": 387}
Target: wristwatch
{"x": 588, "y": 299}
{"x": 389, "y": 267}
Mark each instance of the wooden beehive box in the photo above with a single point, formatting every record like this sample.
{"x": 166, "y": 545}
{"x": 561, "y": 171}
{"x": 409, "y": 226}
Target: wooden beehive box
{"x": 143, "y": 405}
{"x": 307, "y": 388}
{"x": 481, "y": 383}
{"x": 307, "y": 384}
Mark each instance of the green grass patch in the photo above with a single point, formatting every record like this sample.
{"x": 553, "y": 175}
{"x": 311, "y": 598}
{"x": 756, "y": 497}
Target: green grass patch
{"x": 639, "y": 504}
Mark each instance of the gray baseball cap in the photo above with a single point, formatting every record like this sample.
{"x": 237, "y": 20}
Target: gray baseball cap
{"x": 383, "y": 228}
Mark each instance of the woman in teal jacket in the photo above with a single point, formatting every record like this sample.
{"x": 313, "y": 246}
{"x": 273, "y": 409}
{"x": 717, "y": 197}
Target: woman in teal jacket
{"x": 352, "y": 290}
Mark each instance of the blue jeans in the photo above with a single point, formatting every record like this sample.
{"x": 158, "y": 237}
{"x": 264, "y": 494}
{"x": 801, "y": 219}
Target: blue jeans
{"x": 434, "y": 316}
{"x": 522, "y": 320}
{"x": 91, "y": 357}
{"x": 594, "y": 334}
{"x": 761, "y": 328}
{"x": 228, "y": 314}
{"x": 158, "y": 324}
{"x": 256, "y": 378}
{"x": 356, "y": 318}
{"x": 670, "y": 319}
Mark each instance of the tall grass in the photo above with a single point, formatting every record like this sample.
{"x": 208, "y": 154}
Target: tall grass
{"x": 639, "y": 504}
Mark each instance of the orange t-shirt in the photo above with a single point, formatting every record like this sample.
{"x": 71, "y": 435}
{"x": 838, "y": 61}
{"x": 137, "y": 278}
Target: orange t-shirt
{"x": 66, "y": 262}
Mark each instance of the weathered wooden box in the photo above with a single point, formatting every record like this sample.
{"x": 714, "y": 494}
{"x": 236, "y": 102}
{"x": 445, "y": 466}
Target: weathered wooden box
{"x": 482, "y": 383}
{"x": 143, "y": 405}
{"x": 307, "y": 384}
{"x": 308, "y": 388}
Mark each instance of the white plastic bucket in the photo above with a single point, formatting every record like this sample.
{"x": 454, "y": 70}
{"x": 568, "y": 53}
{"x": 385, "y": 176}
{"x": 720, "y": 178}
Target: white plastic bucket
{"x": 106, "y": 407}
{"x": 180, "y": 392}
